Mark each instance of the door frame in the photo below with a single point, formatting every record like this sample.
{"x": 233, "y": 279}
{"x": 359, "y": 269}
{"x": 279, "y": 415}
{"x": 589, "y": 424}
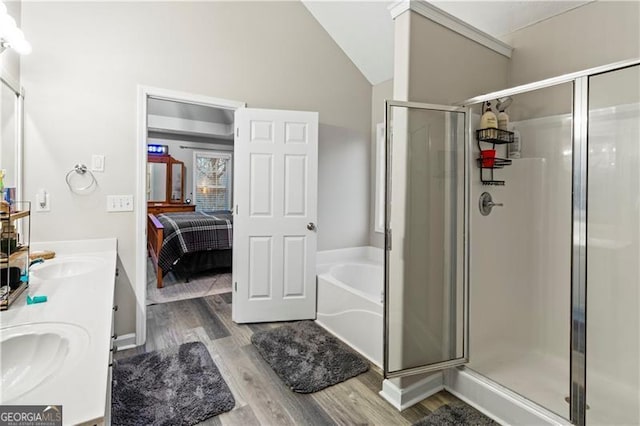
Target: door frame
{"x": 140, "y": 282}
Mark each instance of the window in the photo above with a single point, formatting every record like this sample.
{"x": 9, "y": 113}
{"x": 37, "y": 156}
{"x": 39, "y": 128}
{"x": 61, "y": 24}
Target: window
{"x": 212, "y": 180}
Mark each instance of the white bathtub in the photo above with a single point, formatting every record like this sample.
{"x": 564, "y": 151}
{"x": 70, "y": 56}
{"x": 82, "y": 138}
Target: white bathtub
{"x": 350, "y": 297}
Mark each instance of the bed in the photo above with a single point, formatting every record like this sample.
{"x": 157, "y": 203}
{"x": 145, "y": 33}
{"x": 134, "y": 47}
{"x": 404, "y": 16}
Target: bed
{"x": 191, "y": 242}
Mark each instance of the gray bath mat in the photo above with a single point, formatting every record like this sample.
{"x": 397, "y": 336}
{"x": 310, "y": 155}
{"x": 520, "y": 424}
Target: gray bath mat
{"x": 306, "y": 357}
{"x": 175, "y": 386}
{"x": 456, "y": 413}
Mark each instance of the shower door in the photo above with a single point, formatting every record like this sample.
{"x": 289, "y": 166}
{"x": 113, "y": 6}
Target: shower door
{"x": 520, "y": 253}
{"x": 425, "y": 271}
{"x": 613, "y": 249}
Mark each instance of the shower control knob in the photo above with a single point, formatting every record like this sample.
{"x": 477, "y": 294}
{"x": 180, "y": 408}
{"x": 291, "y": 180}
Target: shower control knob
{"x": 311, "y": 226}
{"x": 486, "y": 204}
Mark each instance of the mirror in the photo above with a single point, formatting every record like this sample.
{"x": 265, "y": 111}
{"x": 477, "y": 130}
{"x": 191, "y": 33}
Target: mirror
{"x": 10, "y": 150}
{"x": 165, "y": 179}
{"x": 157, "y": 182}
{"x": 176, "y": 182}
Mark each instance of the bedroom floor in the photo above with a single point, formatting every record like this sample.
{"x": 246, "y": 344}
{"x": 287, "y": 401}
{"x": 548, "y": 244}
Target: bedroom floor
{"x": 261, "y": 398}
{"x": 176, "y": 288}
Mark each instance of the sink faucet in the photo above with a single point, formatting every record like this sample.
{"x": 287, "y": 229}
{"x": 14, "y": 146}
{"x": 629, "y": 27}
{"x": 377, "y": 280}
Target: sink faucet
{"x": 36, "y": 261}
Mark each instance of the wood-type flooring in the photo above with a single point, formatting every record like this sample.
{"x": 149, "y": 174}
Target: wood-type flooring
{"x": 261, "y": 397}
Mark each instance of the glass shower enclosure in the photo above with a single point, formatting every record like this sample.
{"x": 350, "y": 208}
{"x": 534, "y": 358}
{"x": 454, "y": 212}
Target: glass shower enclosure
{"x": 535, "y": 289}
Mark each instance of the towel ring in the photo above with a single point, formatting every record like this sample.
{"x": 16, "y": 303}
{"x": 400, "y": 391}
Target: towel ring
{"x": 80, "y": 169}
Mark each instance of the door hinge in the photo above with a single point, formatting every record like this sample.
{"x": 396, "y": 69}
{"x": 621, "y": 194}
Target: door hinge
{"x": 237, "y": 131}
{"x": 236, "y": 209}
{"x": 235, "y": 286}
{"x": 387, "y": 239}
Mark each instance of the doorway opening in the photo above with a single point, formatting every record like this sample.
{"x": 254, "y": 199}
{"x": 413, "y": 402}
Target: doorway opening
{"x": 178, "y": 136}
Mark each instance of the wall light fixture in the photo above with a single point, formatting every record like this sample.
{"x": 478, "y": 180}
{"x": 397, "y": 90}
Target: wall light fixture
{"x": 10, "y": 35}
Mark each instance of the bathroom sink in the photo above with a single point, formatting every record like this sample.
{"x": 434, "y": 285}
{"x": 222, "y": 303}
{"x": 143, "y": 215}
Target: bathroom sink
{"x": 66, "y": 267}
{"x": 31, "y": 354}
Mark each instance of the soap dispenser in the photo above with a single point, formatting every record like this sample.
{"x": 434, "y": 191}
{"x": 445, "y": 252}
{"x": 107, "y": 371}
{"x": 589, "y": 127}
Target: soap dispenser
{"x": 488, "y": 119}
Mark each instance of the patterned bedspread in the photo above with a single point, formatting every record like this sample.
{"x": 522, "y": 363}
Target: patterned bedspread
{"x": 194, "y": 231}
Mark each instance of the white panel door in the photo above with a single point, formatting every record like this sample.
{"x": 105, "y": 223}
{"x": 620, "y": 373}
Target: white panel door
{"x": 274, "y": 235}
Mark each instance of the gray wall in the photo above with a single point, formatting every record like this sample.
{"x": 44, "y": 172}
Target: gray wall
{"x": 595, "y": 34}
{"x": 451, "y": 69}
{"x": 81, "y": 81}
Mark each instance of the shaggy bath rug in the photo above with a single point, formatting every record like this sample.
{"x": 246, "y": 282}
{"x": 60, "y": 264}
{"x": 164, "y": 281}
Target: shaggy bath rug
{"x": 175, "y": 386}
{"x": 455, "y": 413}
{"x": 306, "y": 357}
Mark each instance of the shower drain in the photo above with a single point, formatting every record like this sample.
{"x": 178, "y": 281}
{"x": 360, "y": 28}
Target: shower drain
{"x": 567, "y": 399}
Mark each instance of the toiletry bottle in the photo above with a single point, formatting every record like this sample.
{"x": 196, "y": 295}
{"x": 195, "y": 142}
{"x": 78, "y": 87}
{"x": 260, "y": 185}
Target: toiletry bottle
{"x": 4, "y": 206}
{"x": 503, "y": 120}
{"x": 515, "y": 149}
{"x": 489, "y": 120}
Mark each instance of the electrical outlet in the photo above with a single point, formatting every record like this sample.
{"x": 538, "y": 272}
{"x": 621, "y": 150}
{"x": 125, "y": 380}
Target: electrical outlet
{"x": 119, "y": 203}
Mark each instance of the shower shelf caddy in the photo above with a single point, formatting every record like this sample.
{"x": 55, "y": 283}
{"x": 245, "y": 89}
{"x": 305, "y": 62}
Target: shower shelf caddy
{"x": 493, "y": 136}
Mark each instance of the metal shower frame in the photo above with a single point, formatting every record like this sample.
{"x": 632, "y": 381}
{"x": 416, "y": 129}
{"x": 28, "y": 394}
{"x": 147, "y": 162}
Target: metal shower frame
{"x": 580, "y": 114}
{"x": 580, "y": 145}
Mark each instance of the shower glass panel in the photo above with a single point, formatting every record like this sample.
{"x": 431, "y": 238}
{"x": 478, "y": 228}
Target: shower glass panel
{"x": 520, "y": 254}
{"x": 613, "y": 248}
{"x": 425, "y": 317}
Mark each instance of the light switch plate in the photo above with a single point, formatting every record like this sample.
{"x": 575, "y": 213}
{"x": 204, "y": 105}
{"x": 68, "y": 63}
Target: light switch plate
{"x": 97, "y": 163}
{"x": 119, "y": 203}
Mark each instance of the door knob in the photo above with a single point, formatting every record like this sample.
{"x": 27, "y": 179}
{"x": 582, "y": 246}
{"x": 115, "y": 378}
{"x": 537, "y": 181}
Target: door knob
{"x": 311, "y": 226}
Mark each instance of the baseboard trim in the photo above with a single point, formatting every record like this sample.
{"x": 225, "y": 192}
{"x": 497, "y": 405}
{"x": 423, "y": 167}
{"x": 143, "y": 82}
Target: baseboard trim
{"x": 126, "y": 341}
{"x": 496, "y": 401}
{"x": 403, "y": 398}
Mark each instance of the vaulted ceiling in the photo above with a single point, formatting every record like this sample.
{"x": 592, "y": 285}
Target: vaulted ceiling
{"x": 364, "y": 29}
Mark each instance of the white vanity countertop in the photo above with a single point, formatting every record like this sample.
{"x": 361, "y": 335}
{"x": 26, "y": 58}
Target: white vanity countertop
{"x": 84, "y": 300}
